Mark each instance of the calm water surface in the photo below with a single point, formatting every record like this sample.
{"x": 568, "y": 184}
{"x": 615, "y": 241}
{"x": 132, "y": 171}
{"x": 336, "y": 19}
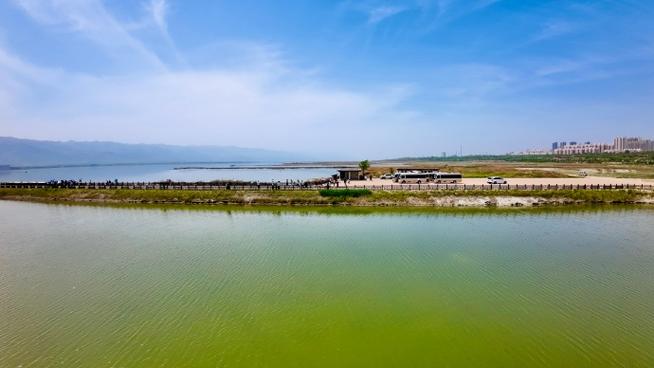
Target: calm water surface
{"x": 149, "y": 173}
{"x": 126, "y": 287}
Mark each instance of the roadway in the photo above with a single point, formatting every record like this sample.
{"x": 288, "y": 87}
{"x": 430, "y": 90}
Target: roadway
{"x": 588, "y": 180}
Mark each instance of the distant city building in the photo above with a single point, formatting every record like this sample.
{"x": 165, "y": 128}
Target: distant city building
{"x": 536, "y": 152}
{"x": 620, "y": 144}
{"x": 575, "y": 149}
{"x": 631, "y": 144}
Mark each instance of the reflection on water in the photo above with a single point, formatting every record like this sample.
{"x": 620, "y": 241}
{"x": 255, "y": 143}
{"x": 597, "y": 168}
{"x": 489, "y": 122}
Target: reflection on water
{"x": 136, "y": 287}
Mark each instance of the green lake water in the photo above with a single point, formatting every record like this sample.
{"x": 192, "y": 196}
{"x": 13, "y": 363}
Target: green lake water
{"x": 85, "y": 286}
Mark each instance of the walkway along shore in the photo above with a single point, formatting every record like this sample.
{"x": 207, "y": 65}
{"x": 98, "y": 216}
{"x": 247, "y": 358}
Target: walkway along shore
{"x": 358, "y": 185}
{"x": 449, "y": 195}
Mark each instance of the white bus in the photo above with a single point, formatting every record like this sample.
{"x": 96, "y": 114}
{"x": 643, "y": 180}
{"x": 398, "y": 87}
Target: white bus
{"x": 414, "y": 177}
{"x": 427, "y": 177}
{"x": 443, "y": 177}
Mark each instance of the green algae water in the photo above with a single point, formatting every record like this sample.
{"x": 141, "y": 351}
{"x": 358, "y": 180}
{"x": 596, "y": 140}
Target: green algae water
{"x": 129, "y": 287}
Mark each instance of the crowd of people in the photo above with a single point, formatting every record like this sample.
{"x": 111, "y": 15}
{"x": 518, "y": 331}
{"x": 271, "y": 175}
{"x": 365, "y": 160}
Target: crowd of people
{"x": 72, "y": 183}
{"x": 275, "y": 184}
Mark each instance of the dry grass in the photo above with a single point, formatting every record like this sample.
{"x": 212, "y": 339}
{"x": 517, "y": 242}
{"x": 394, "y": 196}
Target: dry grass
{"x": 483, "y": 169}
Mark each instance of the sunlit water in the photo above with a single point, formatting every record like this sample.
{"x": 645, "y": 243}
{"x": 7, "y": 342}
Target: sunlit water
{"x": 147, "y": 287}
{"x": 150, "y": 173}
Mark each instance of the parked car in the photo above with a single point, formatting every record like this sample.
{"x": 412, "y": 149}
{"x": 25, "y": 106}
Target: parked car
{"x": 496, "y": 180}
{"x": 387, "y": 176}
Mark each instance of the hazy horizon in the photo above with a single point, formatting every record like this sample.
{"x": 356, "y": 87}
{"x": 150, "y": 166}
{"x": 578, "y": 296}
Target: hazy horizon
{"x": 369, "y": 79}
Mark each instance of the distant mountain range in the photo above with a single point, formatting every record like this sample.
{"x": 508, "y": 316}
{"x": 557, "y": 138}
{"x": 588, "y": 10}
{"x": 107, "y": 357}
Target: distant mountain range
{"x": 27, "y": 152}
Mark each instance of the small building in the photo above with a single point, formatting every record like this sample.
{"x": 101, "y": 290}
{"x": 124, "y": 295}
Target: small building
{"x": 350, "y": 174}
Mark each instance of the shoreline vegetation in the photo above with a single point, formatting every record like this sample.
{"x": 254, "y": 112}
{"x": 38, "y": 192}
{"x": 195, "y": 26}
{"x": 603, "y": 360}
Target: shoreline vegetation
{"x": 336, "y": 197}
{"x": 638, "y": 158}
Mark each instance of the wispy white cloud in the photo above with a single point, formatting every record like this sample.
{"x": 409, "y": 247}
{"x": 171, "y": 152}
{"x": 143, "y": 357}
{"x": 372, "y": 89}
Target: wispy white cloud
{"x": 257, "y": 104}
{"x": 583, "y": 69}
{"x": 91, "y": 19}
{"x": 158, "y": 10}
{"x": 378, "y": 14}
{"x": 12, "y": 65}
{"x": 480, "y": 4}
{"x": 484, "y": 83}
{"x": 441, "y": 12}
{"x": 250, "y": 94}
{"x": 434, "y": 12}
{"x": 212, "y": 104}
{"x": 554, "y": 29}
{"x": 472, "y": 83}
{"x": 443, "y": 6}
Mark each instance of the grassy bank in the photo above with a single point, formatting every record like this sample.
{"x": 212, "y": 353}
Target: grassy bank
{"x": 344, "y": 193}
{"x": 436, "y": 198}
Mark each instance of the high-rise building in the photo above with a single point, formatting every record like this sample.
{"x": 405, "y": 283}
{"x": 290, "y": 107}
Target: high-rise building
{"x": 623, "y": 144}
{"x": 620, "y": 144}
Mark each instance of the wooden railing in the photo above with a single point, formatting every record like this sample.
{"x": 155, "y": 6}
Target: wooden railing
{"x": 413, "y": 187}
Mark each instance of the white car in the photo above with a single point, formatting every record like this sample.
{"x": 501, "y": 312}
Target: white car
{"x": 496, "y": 180}
{"x": 387, "y": 176}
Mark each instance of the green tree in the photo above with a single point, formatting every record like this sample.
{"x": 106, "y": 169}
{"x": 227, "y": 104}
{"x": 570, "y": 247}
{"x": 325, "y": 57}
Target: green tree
{"x": 364, "y": 165}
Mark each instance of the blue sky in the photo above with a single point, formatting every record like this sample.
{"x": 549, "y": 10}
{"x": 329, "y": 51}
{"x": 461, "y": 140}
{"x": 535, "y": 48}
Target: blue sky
{"x": 332, "y": 78}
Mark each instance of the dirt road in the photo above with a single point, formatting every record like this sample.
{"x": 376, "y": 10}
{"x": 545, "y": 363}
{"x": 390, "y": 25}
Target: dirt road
{"x": 589, "y": 180}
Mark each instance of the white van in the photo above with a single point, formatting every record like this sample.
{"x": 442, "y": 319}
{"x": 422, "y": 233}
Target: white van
{"x": 496, "y": 180}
